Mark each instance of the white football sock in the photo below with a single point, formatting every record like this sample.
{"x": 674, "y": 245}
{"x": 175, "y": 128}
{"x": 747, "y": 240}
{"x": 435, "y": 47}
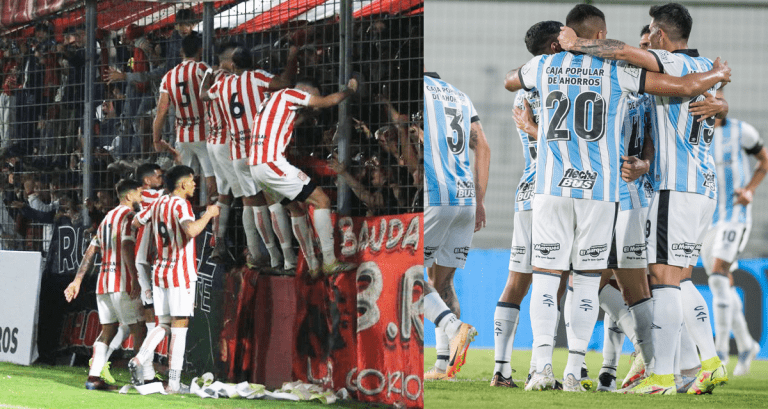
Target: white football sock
{"x": 721, "y": 304}
{"x": 613, "y": 304}
{"x": 696, "y": 316}
{"x": 304, "y": 235}
{"x": 324, "y": 229}
{"x": 153, "y": 339}
{"x": 249, "y": 226}
{"x": 281, "y": 224}
{"x": 443, "y": 347}
{"x": 99, "y": 358}
{"x": 741, "y": 335}
{"x": 176, "y": 357}
{"x": 584, "y": 312}
{"x": 613, "y": 341}
{"x": 150, "y": 327}
{"x": 667, "y": 320}
{"x": 642, "y": 316}
{"x": 689, "y": 357}
{"x": 438, "y": 312}
{"x": 505, "y": 325}
{"x": 123, "y": 332}
{"x": 264, "y": 226}
{"x": 223, "y": 219}
{"x": 544, "y": 316}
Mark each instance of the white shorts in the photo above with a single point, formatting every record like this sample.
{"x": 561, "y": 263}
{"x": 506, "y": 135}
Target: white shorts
{"x": 119, "y": 307}
{"x": 189, "y": 149}
{"x": 224, "y": 170}
{"x": 724, "y": 241}
{"x": 678, "y": 221}
{"x": 248, "y": 185}
{"x": 175, "y": 301}
{"x": 572, "y": 232}
{"x": 448, "y": 232}
{"x": 283, "y": 180}
{"x": 629, "y": 246}
{"x": 520, "y": 255}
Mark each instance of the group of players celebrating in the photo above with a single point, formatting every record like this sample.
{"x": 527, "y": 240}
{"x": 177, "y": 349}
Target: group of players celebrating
{"x": 238, "y": 122}
{"x": 631, "y": 171}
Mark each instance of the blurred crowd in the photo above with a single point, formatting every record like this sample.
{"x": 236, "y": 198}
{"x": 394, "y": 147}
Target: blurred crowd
{"x": 42, "y": 115}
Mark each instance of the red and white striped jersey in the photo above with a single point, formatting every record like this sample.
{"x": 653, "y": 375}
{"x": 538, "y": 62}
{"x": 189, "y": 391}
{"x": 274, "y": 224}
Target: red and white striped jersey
{"x": 148, "y": 196}
{"x": 175, "y": 265}
{"x": 241, "y": 96}
{"x": 182, "y": 83}
{"x": 214, "y": 112}
{"x": 113, "y": 230}
{"x": 274, "y": 125}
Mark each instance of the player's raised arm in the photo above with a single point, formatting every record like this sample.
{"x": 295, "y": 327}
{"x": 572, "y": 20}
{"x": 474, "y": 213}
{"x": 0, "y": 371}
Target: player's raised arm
{"x": 512, "y": 81}
{"x": 194, "y": 228}
{"x": 607, "y": 48}
{"x": 285, "y": 79}
{"x": 157, "y": 126}
{"x": 690, "y": 85}
{"x": 73, "y": 289}
{"x": 335, "y": 98}
{"x": 479, "y": 144}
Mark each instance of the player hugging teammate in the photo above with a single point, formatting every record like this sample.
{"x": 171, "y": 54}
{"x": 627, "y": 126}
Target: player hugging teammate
{"x": 618, "y": 190}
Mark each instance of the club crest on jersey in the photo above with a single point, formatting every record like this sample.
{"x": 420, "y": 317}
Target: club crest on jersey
{"x": 688, "y": 248}
{"x": 525, "y": 191}
{"x": 638, "y": 249}
{"x": 578, "y": 179}
{"x": 546, "y": 248}
{"x": 464, "y": 251}
{"x": 709, "y": 181}
{"x": 465, "y": 189}
{"x": 594, "y": 251}
{"x": 518, "y": 250}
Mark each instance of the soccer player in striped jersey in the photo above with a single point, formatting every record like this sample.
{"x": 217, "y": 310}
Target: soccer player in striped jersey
{"x": 272, "y": 131}
{"x": 180, "y": 87}
{"x": 684, "y": 176}
{"x": 174, "y": 273}
{"x": 541, "y": 38}
{"x": 577, "y": 180}
{"x": 455, "y": 194}
{"x": 729, "y": 232}
{"x": 117, "y": 291}
{"x": 240, "y": 95}
{"x": 227, "y": 184}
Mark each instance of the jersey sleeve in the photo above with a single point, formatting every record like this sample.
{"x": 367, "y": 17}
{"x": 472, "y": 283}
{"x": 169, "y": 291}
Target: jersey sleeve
{"x": 144, "y": 215}
{"x": 631, "y": 78}
{"x": 473, "y": 116}
{"x": 184, "y": 212}
{"x": 297, "y": 97}
{"x": 215, "y": 89}
{"x": 750, "y": 139}
{"x": 127, "y": 228}
{"x": 164, "y": 83}
{"x": 528, "y": 73}
{"x": 261, "y": 78}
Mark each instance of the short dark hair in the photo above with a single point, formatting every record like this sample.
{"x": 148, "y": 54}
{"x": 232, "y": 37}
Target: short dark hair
{"x": 185, "y": 16}
{"x": 146, "y": 169}
{"x": 581, "y": 13}
{"x": 174, "y": 174}
{"x": 541, "y": 35}
{"x": 307, "y": 80}
{"x": 645, "y": 30}
{"x": 226, "y": 46}
{"x": 191, "y": 44}
{"x": 674, "y": 19}
{"x": 126, "y": 185}
{"x": 242, "y": 58}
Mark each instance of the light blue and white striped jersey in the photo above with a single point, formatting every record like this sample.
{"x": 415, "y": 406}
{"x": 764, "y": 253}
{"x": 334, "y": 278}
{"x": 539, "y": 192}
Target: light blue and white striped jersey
{"x": 639, "y": 124}
{"x": 728, "y": 148}
{"x": 448, "y": 117}
{"x": 527, "y": 185}
{"x": 684, "y": 162}
{"x": 583, "y": 107}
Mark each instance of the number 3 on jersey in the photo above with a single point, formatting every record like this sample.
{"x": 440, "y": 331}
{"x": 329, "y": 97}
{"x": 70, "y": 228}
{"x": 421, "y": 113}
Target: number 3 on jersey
{"x": 455, "y": 143}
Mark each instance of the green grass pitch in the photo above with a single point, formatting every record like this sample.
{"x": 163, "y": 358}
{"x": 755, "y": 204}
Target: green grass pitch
{"x": 471, "y": 388}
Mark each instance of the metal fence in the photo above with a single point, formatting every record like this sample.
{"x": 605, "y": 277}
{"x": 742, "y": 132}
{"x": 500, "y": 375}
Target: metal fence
{"x": 80, "y": 89}
{"x": 474, "y": 46}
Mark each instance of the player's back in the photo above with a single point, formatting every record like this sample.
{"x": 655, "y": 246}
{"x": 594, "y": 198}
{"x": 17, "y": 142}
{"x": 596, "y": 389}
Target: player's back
{"x": 175, "y": 265}
{"x": 240, "y": 96}
{"x": 273, "y": 125}
{"x": 448, "y": 119}
{"x": 683, "y": 151}
{"x": 637, "y": 129}
{"x": 733, "y": 171}
{"x": 113, "y": 273}
{"x": 216, "y": 115}
{"x": 583, "y": 107}
{"x": 527, "y": 184}
{"x": 182, "y": 83}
